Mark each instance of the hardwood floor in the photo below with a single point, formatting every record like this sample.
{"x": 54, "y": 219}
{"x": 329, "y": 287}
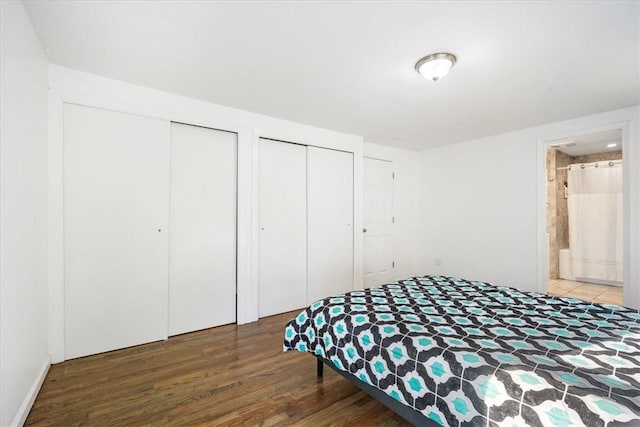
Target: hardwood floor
{"x": 586, "y": 291}
{"x": 225, "y": 376}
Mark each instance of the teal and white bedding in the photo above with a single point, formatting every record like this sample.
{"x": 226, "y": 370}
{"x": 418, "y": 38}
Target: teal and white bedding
{"x": 467, "y": 353}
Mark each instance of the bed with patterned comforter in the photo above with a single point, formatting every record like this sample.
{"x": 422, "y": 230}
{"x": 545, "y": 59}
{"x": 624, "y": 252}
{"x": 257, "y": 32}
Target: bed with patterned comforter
{"x": 466, "y": 353}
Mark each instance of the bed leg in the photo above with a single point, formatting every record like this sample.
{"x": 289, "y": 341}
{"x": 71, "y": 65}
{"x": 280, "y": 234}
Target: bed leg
{"x": 320, "y": 367}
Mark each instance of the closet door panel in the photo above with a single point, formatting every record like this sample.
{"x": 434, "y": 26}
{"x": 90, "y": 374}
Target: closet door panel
{"x": 330, "y": 222}
{"x": 378, "y": 222}
{"x": 202, "y": 238}
{"x": 283, "y": 227}
{"x": 116, "y": 206}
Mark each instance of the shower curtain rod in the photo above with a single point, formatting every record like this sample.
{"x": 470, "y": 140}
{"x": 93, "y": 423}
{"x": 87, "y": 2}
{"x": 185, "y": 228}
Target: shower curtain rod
{"x": 610, "y": 163}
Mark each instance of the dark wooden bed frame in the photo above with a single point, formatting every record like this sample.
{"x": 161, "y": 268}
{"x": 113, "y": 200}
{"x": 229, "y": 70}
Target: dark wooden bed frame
{"x": 411, "y": 415}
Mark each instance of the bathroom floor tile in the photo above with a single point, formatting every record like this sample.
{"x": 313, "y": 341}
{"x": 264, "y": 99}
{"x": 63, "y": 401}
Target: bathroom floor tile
{"x": 563, "y": 285}
{"x": 586, "y": 291}
{"x": 609, "y": 300}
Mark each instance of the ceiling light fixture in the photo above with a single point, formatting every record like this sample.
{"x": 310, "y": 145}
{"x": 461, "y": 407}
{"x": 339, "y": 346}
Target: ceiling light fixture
{"x": 436, "y": 65}
{"x": 613, "y": 144}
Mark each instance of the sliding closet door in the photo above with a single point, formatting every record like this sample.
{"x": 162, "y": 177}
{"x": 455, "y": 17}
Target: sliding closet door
{"x": 283, "y": 227}
{"x": 202, "y": 239}
{"x": 330, "y": 222}
{"x": 116, "y": 206}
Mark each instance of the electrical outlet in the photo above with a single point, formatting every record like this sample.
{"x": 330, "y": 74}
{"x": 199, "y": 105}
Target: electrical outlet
{"x": 437, "y": 261}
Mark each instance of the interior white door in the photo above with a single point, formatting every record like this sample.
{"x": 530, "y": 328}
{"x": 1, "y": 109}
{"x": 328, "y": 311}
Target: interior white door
{"x": 329, "y": 223}
{"x": 116, "y": 208}
{"x": 202, "y": 236}
{"x": 378, "y": 221}
{"x": 283, "y": 227}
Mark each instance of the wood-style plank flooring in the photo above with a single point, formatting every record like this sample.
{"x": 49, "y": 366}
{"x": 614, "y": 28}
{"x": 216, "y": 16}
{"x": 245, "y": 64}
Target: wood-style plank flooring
{"x": 225, "y": 376}
{"x": 230, "y": 375}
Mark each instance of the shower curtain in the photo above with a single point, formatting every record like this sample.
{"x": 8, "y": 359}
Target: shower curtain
{"x": 595, "y": 221}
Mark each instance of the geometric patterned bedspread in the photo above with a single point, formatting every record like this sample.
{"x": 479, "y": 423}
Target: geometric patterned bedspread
{"x": 467, "y": 353}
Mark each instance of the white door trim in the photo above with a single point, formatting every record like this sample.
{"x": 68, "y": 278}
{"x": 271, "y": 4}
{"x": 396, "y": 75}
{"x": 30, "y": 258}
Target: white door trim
{"x": 631, "y": 295}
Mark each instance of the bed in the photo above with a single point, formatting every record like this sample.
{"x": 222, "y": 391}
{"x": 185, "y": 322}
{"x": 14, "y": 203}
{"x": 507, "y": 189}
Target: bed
{"x": 447, "y": 351}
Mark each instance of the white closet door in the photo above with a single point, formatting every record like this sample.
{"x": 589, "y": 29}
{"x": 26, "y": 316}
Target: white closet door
{"x": 378, "y": 199}
{"x": 116, "y": 206}
{"x": 330, "y": 222}
{"x": 202, "y": 237}
{"x": 283, "y": 227}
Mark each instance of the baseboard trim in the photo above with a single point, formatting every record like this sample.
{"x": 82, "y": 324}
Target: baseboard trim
{"x": 27, "y": 403}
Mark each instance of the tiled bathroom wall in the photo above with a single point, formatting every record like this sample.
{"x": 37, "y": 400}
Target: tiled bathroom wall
{"x": 598, "y": 157}
{"x": 557, "y": 212}
{"x": 551, "y": 212}
{"x": 562, "y": 213}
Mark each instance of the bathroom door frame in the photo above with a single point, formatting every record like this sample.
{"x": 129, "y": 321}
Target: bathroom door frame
{"x": 631, "y": 297}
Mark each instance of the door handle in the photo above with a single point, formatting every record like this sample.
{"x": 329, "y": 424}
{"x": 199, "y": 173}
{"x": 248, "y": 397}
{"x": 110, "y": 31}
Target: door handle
{"x": 364, "y": 230}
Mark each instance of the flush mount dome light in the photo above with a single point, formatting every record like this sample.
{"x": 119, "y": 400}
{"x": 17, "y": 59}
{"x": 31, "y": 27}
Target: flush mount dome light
{"x": 436, "y": 65}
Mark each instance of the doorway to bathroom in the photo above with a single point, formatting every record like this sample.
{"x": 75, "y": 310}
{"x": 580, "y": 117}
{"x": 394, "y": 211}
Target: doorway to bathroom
{"x": 584, "y": 216}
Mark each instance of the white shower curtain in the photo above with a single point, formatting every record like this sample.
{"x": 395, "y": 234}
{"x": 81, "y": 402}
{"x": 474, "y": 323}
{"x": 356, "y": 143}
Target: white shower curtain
{"x": 595, "y": 221}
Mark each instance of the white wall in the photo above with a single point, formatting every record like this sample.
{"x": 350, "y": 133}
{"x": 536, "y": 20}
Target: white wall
{"x": 473, "y": 205}
{"x": 408, "y": 228}
{"x": 479, "y": 208}
{"x": 23, "y": 214}
{"x": 480, "y": 204}
{"x": 77, "y": 87}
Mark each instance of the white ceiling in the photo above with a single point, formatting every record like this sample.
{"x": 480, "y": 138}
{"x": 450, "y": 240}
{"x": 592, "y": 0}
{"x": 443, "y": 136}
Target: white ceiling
{"x": 591, "y": 143}
{"x": 349, "y": 66}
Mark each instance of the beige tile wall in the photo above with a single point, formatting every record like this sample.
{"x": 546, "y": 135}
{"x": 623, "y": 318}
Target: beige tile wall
{"x": 562, "y": 212}
{"x": 551, "y": 212}
{"x": 598, "y": 157}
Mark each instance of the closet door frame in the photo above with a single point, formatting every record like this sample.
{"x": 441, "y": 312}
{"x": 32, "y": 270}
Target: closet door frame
{"x": 57, "y": 99}
{"x": 93, "y": 91}
{"x": 309, "y": 141}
